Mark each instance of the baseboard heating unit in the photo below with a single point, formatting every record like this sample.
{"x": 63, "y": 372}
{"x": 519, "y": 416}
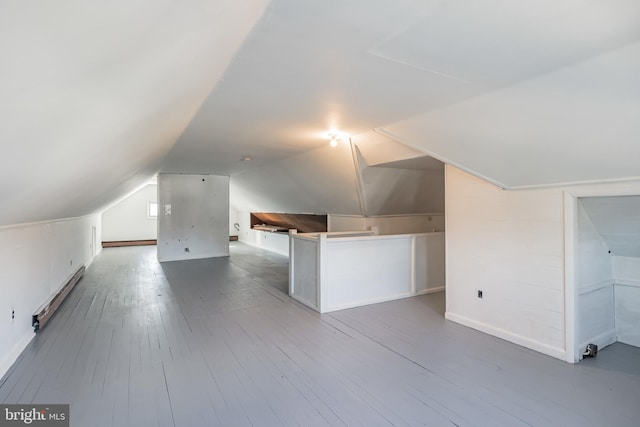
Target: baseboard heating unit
{"x": 46, "y": 310}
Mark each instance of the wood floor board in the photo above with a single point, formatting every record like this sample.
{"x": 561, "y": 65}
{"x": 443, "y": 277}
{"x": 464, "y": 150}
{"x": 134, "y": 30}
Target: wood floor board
{"x": 217, "y": 342}
{"x": 499, "y": 365}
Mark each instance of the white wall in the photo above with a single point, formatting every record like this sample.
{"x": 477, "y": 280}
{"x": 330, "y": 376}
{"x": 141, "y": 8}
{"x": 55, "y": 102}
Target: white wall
{"x": 595, "y": 304}
{"x": 627, "y": 299}
{"x": 234, "y": 218}
{"x": 398, "y": 191}
{"x": 35, "y": 261}
{"x": 244, "y": 220}
{"x": 514, "y": 245}
{"x": 345, "y": 223}
{"x": 404, "y": 224}
{"x": 364, "y": 271}
{"x": 128, "y": 219}
{"x": 193, "y": 216}
{"x": 430, "y": 262}
{"x": 333, "y": 272}
{"x": 388, "y": 224}
{"x": 509, "y": 245}
{"x": 392, "y": 224}
{"x": 303, "y": 272}
{"x": 274, "y": 242}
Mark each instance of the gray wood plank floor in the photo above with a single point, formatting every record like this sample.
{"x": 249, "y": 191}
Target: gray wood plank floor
{"x": 218, "y": 343}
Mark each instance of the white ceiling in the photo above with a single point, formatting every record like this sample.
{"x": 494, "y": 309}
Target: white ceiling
{"x": 340, "y": 180}
{"x": 304, "y": 70}
{"x": 576, "y": 124}
{"x": 499, "y": 88}
{"x": 93, "y": 95}
{"x": 96, "y": 97}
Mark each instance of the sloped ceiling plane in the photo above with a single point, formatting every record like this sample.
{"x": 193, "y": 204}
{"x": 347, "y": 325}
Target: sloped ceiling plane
{"x": 95, "y": 98}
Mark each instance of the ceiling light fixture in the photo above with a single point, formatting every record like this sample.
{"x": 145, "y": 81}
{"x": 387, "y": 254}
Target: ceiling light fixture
{"x": 246, "y": 158}
{"x": 334, "y": 141}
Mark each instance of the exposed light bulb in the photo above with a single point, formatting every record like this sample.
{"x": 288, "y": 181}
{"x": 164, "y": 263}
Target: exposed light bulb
{"x": 334, "y": 141}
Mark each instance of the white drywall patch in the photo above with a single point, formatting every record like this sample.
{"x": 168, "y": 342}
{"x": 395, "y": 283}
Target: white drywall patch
{"x": 193, "y": 217}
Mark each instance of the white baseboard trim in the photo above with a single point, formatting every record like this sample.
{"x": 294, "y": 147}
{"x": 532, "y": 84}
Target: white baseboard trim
{"x": 385, "y": 299}
{"x": 431, "y": 290}
{"x": 595, "y": 286}
{"x": 627, "y": 282}
{"x": 9, "y": 359}
{"x": 604, "y": 339}
{"x": 266, "y": 248}
{"x": 629, "y": 339}
{"x": 529, "y": 343}
{"x": 305, "y": 302}
{"x": 274, "y": 251}
{"x": 193, "y": 256}
{"x": 361, "y": 303}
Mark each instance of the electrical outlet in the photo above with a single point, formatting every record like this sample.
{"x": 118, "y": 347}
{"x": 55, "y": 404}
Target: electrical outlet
{"x": 479, "y": 293}
{"x": 13, "y": 315}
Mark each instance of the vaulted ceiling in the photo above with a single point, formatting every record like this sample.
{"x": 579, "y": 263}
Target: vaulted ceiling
{"x": 93, "y": 95}
{"x": 97, "y": 97}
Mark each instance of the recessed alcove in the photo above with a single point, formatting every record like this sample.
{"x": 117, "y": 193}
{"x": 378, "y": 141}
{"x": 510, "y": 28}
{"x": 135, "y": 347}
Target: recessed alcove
{"x": 608, "y": 270}
{"x": 282, "y": 222}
